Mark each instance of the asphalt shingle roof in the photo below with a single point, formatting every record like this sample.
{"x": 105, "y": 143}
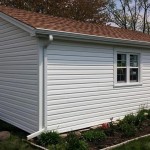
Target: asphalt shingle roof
{"x": 38, "y": 20}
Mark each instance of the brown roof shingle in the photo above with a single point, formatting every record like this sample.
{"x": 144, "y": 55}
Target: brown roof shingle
{"x": 38, "y": 20}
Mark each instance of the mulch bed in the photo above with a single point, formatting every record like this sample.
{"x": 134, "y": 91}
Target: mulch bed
{"x": 118, "y": 138}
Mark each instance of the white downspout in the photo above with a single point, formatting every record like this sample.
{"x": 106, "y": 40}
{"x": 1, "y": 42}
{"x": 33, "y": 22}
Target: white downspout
{"x": 42, "y": 95}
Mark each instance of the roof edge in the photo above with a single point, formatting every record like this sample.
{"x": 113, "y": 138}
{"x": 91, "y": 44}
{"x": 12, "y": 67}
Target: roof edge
{"x": 92, "y": 38}
{"x": 18, "y": 23}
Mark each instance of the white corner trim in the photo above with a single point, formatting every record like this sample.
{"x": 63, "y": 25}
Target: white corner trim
{"x": 18, "y": 23}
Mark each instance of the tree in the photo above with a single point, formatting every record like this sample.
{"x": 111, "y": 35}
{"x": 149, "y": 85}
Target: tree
{"x": 125, "y": 13}
{"x": 130, "y": 14}
{"x": 145, "y": 5}
{"x": 82, "y": 10}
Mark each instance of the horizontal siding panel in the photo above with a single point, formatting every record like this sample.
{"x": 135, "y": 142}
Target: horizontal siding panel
{"x": 75, "y": 67}
{"x": 80, "y": 86}
{"x": 19, "y": 44}
{"x": 30, "y": 124}
{"x": 20, "y": 98}
{"x": 54, "y": 115}
{"x": 22, "y": 49}
{"x": 19, "y": 89}
{"x": 16, "y": 80}
{"x": 79, "y": 124}
{"x": 77, "y": 58}
{"x": 17, "y": 40}
{"x": 10, "y": 37}
{"x": 20, "y": 109}
{"x": 98, "y": 55}
{"x": 13, "y": 54}
{"x": 76, "y": 77}
{"x": 79, "y": 72}
{"x": 58, "y": 99}
{"x": 18, "y": 77}
{"x": 88, "y": 102}
{"x": 61, "y": 45}
{"x": 105, "y": 115}
{"x": 87, "y": 89}
{"x": 78, "y": 81}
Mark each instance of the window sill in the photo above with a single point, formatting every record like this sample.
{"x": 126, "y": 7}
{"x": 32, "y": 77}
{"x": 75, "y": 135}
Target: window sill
{"x": 127, "y": 84}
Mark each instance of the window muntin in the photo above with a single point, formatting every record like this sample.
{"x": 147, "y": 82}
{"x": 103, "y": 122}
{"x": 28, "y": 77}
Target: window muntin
{"x": 134, "y": 68}
{"x": 121, "y": 67}
{"x": 127, "y": 68}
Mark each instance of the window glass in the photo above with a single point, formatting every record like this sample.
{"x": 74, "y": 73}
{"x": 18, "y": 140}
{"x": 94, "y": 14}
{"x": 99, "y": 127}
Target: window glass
{"x": 121, "y": 75}
{"x": 134, "y": 74}
{"x": 121, "y": 60}
{"x": 134, "y": 60}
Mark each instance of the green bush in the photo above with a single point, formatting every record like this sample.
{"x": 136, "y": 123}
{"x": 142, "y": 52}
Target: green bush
{"x": 128, "y": 130}
{"x": 148, "y": 114}
{"x": 129, "y": 119}
{"x": 60, "y": 146}
{"x": 94, "y": 135}
{"x": 74, "y": 143}
{"x": 49, "y": 138}
{"x": 141, "y": 116}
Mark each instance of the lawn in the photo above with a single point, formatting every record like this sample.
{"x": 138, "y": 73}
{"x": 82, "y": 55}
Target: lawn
{"x": 15, "y": 142}
{"x": 141, "y": 144}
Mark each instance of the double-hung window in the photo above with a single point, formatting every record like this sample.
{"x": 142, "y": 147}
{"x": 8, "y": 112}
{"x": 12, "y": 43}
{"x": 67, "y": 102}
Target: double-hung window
{"x": 127, "y": 69}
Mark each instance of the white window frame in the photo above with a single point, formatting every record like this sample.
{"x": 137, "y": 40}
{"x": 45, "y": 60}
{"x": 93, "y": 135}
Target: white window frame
{"x": 127, "y": 83}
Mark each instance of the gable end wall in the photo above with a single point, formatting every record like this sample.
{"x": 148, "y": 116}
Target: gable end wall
{"x": 18, "y": 77}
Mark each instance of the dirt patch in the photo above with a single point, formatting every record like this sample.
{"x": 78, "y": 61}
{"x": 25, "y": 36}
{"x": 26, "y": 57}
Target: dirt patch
{"x": 117, "y": 137}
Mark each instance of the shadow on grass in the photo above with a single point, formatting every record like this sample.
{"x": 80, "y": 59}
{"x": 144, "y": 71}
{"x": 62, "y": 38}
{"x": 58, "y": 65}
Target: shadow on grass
{"x": 15, "y": 142}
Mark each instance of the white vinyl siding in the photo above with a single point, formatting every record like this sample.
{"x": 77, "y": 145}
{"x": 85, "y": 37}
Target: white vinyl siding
{"x": 18, "y": 77}
{"x": 80, "y": 86}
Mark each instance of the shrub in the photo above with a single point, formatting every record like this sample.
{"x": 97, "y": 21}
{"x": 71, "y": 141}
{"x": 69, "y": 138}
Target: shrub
{"x": 141, "y": 116}
{"x": 61, "y": 146}
{"x": 74, "y": 143}
{"x": 48, "y": 138}
{"x": 128, "y": 130}
{"x": 94, "y": 135}
{"x": 129, "y": 119}
{"x": 148, "y": 114}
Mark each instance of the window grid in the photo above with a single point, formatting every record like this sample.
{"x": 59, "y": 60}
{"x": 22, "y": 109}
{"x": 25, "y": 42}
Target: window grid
{"x": 131, "y": 71}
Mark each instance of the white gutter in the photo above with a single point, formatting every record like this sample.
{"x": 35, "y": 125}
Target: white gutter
{"x": 92, "y": 38}
{"x": 43, "y": 44}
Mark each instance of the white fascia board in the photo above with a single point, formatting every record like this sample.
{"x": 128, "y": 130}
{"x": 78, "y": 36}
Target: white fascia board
{"x": 92, "y": 38}
{"x": 18, "y": 23}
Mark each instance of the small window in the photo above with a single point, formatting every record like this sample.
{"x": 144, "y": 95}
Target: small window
{"x": 127, "y": 68}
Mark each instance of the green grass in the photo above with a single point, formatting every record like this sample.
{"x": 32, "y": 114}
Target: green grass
{"x": 141, "y": 144}
{"x": 15, "y": 141}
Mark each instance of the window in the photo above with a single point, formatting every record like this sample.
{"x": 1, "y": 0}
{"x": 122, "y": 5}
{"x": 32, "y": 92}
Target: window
{"x": 127, "y": 68}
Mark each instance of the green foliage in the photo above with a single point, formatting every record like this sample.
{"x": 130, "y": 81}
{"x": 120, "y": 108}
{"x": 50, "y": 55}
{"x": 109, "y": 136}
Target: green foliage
{"x": 141, "y": 144}
{"x": 15, "y": 143}
{"x": 48, "y": 138}
{"x": 60, "y": 146}
{"x": 74, "y": 143}
{"x": 94, "y": 135}
{"x": 141, "y": 116}
{"x": 148, "y": 114}
{"x": 128, "y": 130}
{"x": 129, "y": 119}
